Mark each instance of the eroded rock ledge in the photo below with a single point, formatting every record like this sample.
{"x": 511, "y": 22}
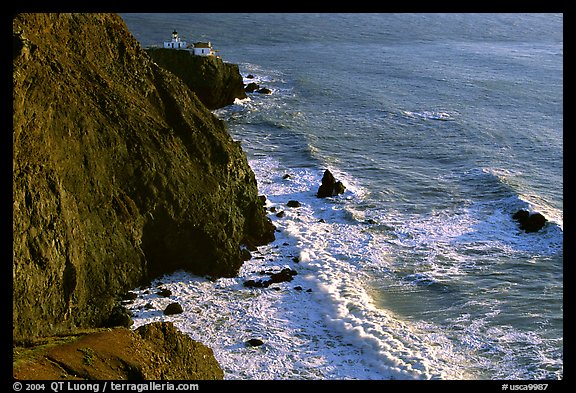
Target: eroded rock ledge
{"x": 157, "y": 351}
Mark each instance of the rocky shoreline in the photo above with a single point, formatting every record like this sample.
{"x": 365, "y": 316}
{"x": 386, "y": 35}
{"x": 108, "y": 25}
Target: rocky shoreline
{"x": 120, "y": 174}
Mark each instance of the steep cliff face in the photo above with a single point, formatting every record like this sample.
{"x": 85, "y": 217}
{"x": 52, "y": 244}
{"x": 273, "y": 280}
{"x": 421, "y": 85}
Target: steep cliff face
{"x": 215, "y": 82}
{"x": 119, "y": 174}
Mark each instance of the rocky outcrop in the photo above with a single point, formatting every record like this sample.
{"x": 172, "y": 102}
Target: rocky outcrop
{"x": 284, "y": 275}
{"x": 120, "y": 174}
{"x": 330, "y": 186}
{"x": 529, "y": 222}
{"x": 215, "y": 82}
{"x": 157, "y": 351}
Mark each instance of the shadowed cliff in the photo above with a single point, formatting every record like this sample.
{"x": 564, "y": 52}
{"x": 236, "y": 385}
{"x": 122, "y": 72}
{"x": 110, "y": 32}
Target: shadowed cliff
{"x": 120, "y": 174}
{"x": 215, "y": 82}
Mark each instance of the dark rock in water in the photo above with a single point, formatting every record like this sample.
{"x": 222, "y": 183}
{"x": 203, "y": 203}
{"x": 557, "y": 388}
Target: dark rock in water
{"x": 164, "y": 292}
{"x": 521, "y": 215}
{"x": 264, "y": 90}
{"x": 119, "y": 316}
{"x": 249, "y": 76}
{"x": 254, "y": 284}
{"x": 246, "y": 255}
{"x": 293, "y": 204}
{"x": 339, "y": 188}
{"x": 285, "y": 274}
{"x": 254, "y": 342}
{"x": 262, "y": 199}
{"x": 529, "y": 222}
{"x": 129, "y": 296}
{"x": 298, "y": 288}
{"x": 330, "y": 187}
{"x": 251, "y": 87}
{"x": 286, "y": 177}
{"x": 173, "y": 308}
{"x": 281, "y": 214}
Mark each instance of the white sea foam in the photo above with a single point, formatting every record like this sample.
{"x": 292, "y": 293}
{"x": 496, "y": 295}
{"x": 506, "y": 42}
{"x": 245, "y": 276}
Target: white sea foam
{"x": 328, "y": 328}
{"x": 430, "y": 115}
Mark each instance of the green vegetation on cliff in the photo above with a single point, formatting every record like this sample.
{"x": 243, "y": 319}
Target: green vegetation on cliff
{"x": 120, "y": 174}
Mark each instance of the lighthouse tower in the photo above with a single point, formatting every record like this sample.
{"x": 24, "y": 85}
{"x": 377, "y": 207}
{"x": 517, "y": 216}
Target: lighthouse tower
{"x": 176, "y": 42}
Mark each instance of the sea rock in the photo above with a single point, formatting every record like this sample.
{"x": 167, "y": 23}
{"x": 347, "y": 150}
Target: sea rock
{"x": 129, "y": 296}
{"x": 254, "y": 342}
{"x": 173, "y": 308}
{"x": 264, "y": 90}
{"x": 281, "y": 214}
{"x": 529, "y": 222}
{"x": 285, "y": 274}
{"x": 119, "y": 316}
{"x": 246, "y": 254}
{"x": 120, "y": 174}
{"x": 164, "y": 292}
{"x": 293, "y": 203}
{"x": 330, "y": 186}
{"x": 254, "y": 284}
{"x": 251, "y": 87}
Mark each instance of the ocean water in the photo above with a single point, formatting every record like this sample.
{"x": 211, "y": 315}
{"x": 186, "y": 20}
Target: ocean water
{"x": 441, "y": 126}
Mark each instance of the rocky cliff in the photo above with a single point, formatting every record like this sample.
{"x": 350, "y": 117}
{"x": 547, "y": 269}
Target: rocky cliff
{"x": 120, "y": 174}
{"x": 215, "y": 82}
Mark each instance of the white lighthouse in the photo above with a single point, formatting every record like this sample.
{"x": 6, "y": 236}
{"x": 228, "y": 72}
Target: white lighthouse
{"x": 203, "y": 49}
{"x": 176, "y": 42}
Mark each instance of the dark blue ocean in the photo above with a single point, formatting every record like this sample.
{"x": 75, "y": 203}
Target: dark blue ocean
{"x": 441, "y": 126}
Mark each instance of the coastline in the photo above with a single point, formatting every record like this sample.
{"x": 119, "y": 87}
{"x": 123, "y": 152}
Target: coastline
{"x": 106, "y": 198}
